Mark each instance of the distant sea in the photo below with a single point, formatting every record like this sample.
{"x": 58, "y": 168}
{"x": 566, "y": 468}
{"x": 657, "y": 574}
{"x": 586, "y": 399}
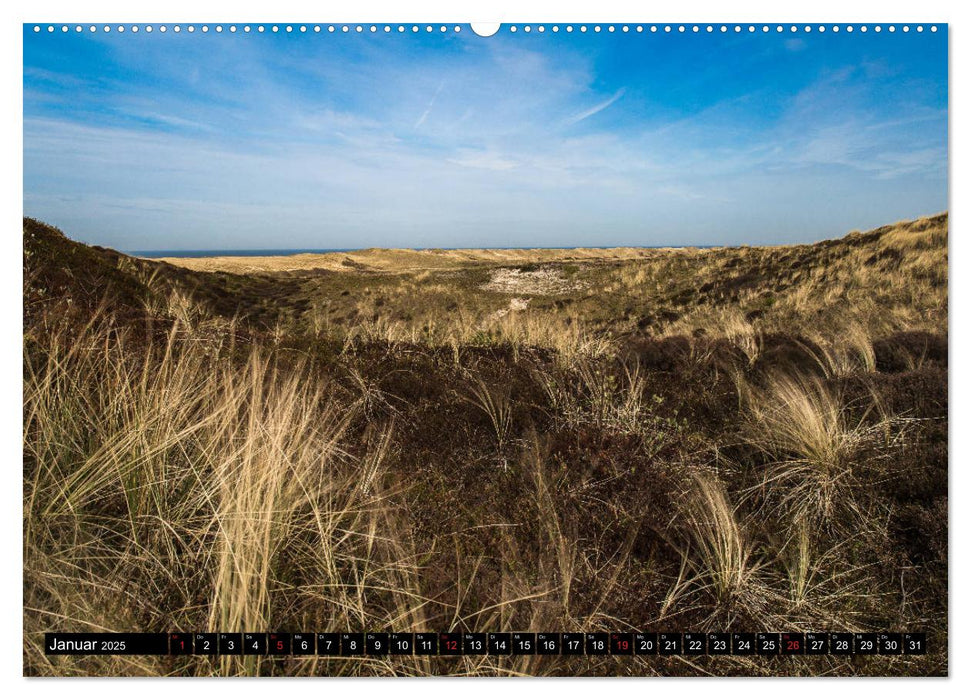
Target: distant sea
{"x": 231, "y": 253}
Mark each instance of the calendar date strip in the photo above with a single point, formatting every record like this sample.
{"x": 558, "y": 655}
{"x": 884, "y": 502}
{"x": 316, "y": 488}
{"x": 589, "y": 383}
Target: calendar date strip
{"x": 349, "y": 644}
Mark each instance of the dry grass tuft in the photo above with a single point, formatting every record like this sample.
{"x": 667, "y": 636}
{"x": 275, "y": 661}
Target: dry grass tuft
{"x": 814, "y": 440}
{"x": 720, "y": 551}
{"x": 495, "y": 402}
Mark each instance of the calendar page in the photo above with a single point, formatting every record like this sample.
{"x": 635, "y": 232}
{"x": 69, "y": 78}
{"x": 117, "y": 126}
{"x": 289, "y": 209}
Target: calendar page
{"x": 448, "y": 349}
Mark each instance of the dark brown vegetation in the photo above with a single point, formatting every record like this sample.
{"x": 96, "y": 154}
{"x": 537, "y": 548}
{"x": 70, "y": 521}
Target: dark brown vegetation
{"x": 735, "y": 439}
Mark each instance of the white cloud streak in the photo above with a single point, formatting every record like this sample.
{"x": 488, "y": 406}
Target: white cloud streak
{"x": 431, "y": 103}
{"x": 596, "y": 109}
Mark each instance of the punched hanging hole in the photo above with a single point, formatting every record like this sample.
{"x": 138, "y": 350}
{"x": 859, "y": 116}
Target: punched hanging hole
{"x": 485, "y": 29}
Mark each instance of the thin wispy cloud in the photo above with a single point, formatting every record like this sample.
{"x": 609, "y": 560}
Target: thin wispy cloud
{"x": 795, "y": 44}
{"x": 431, "y": 103}
{"x": 485, "y": 160}
{"x": 596, "y": 109}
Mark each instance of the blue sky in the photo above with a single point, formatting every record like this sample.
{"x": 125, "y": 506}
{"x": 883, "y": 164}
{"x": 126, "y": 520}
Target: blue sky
{"x": 210, "y": 141}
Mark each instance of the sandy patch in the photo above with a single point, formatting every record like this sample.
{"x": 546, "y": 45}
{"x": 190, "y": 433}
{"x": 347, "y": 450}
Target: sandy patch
{"x": 543, "y": 281}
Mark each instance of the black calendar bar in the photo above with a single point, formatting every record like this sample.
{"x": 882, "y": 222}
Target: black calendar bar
{"x": 494, "y": 643}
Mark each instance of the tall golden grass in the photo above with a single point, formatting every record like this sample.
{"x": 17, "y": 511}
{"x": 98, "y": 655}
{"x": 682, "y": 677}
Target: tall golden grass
{"x": 167, "y": 487}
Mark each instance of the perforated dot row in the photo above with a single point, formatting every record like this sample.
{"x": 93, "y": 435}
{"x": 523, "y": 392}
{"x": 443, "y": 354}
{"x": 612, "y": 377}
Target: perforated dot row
{"x": 428, "y": 28}
{"x": 246, "y": 28}
{"x": 723, "y": 28}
